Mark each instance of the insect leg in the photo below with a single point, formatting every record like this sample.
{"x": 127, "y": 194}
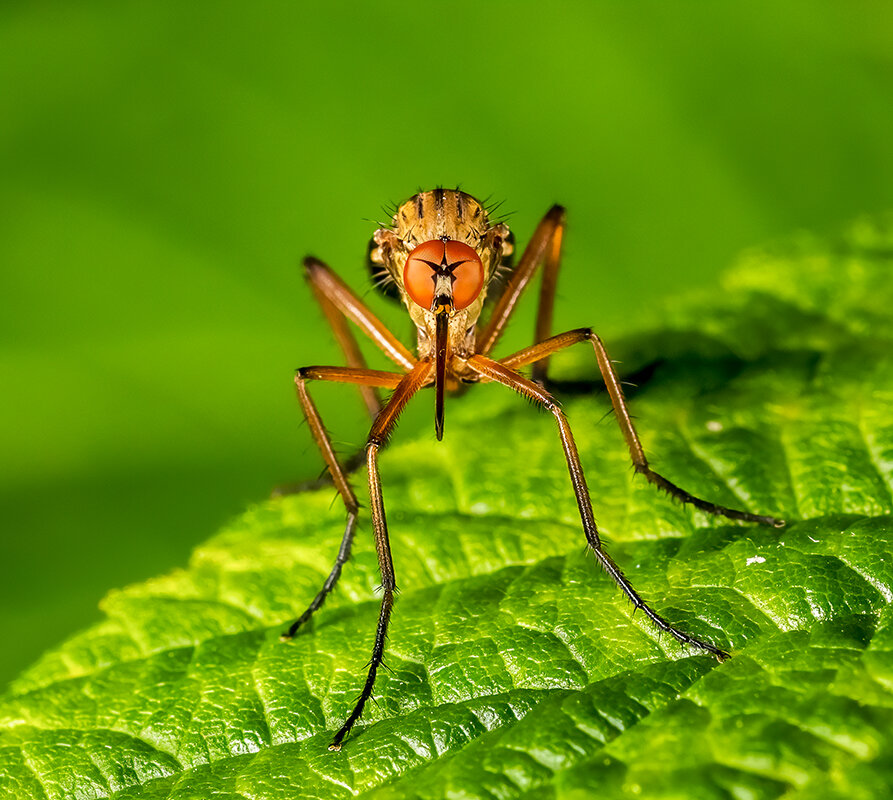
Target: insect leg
{"x": 381, "y": 430}
{"x": 336, "y": 291}
{"x": 340, "y": 304}
{"x": 345, "y": 338}
{"x": 544, "y": 248}
{"x": 637, "y": 454}
{"x": 359, "y": 377}
{"x": 547, "y": 297}
{"x": 495, "y": 371}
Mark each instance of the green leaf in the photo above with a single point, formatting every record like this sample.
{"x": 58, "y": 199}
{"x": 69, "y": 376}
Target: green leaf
{"x": 516, "y": 667}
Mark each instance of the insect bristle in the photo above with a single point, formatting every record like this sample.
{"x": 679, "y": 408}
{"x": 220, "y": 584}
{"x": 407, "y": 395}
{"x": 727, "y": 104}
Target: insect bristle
{"x": 382, "y": 280}
{"x": 390, "y": 211}
{"x": 388, "y": 226}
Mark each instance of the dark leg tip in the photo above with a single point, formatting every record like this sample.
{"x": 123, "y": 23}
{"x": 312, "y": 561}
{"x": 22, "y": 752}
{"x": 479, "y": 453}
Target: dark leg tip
{"x": 288, "y": 635}
{"x": 335, "y": 746}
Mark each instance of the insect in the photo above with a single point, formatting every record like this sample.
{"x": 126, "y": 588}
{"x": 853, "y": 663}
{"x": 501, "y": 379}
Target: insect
{"x": 441, "y": 253}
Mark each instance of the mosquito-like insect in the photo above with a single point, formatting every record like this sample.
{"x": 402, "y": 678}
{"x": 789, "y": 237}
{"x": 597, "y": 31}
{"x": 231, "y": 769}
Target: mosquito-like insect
{"x": 441, "y": 253}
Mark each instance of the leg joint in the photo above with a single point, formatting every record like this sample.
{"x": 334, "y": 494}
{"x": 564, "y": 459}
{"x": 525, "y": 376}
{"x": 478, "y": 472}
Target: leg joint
{"x": 551, "y": 405}
{"x": 557, "y": 214}
{"x": 589, "y": 335}
{"x": 312, "y": 265}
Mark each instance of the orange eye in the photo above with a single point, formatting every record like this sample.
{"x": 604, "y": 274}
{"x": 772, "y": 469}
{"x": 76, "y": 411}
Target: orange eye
{"x": 468, "y": 273}
{"x": 454, "y": 259}
{"x": 418, "y": 274}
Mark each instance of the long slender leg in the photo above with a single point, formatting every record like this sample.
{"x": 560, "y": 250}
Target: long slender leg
{"x": 339, "y": 304}
{"x": 640, "y": 462}
{"x": 345, "y": 338}
{"x": 381, "y": 429}
{"x": 547, "y": 297}
{"x": 544, "y": 247}
{"x": 360, "y": 377}
{"x": 344, "y": 299}
{"x": 494, "y": 371}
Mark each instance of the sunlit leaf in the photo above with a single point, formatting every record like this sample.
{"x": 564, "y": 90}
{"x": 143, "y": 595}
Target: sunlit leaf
{"x": 516, "y": 667}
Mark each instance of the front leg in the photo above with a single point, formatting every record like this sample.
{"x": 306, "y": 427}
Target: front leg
{"x": 381, "y": 430}
{"x": 358, "y": 377}
{"x": 544, "y": 349}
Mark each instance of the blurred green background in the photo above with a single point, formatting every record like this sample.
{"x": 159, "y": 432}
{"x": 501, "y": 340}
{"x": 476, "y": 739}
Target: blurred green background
{"x": 164, "y": 166}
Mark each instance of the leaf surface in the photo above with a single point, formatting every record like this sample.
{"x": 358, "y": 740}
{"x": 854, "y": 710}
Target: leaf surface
{"x": 516, "y": 667}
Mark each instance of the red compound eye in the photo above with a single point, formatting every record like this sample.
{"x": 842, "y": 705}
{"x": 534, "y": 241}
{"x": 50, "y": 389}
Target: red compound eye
{"x": 454, "y": 259}
{"x": 469, "y": 275}
{"x": 418, "y": 275}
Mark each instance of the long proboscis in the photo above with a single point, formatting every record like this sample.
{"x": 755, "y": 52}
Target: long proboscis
{"x": 440, "y": 358}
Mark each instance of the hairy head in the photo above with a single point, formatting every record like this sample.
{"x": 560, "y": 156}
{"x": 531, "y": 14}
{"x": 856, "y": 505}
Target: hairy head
{"x": 441, "y": 251}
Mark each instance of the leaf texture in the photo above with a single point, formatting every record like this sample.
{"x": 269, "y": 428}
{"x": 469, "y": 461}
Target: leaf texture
{"x": 516, "y": 669}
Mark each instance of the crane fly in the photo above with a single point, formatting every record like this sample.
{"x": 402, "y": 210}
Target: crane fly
{"x": 441, "y": 254}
